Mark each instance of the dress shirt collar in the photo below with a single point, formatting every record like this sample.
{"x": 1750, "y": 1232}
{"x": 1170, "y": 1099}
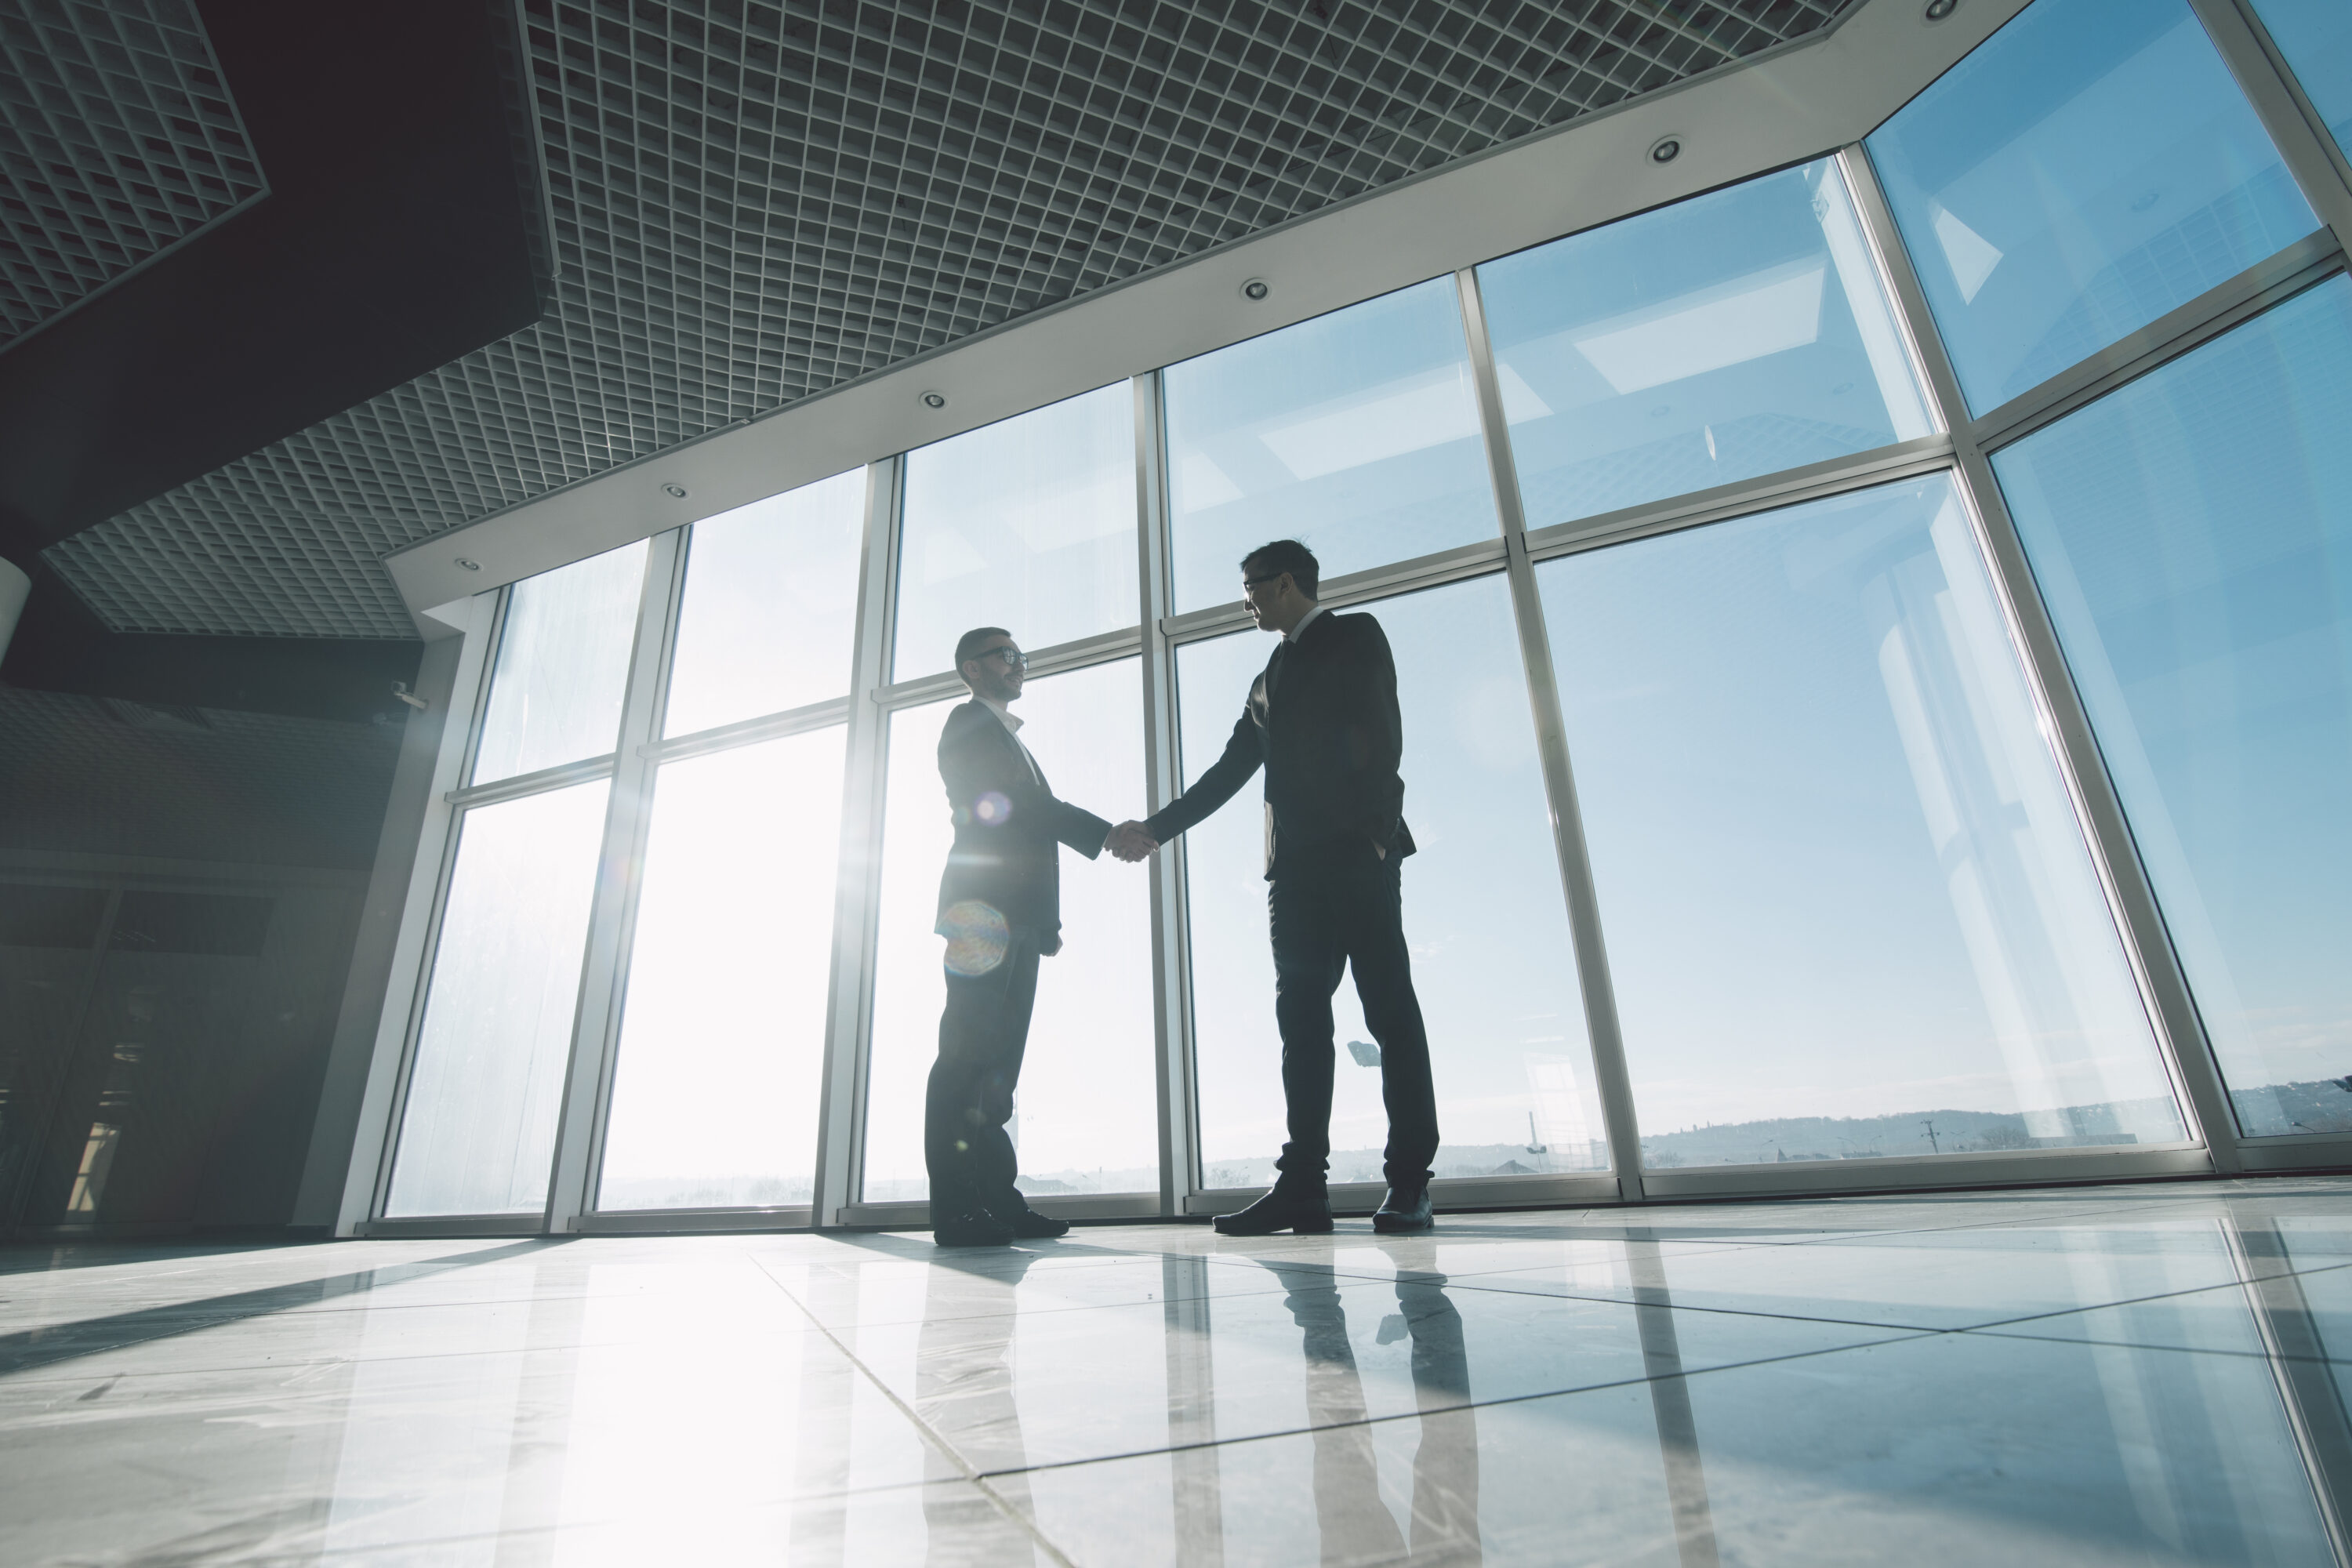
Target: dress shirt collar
{"x": 1012, "y": 721}
{"x": 1305, "y": 621}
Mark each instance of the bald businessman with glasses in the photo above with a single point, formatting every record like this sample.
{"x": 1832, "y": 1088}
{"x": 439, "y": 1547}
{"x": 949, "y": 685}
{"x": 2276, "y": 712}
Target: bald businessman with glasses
{"x": 1323, "y": 721}
{"x": 1001, "y": 911}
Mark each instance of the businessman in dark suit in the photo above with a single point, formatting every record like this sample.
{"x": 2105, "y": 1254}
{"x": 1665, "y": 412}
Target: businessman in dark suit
{"x": 1323, "y": 723}
{"x": 1001, "y": 910}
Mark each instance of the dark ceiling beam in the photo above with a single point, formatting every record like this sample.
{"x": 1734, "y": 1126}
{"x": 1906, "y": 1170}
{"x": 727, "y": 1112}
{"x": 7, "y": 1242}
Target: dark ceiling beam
{"x": 399, "y": 234}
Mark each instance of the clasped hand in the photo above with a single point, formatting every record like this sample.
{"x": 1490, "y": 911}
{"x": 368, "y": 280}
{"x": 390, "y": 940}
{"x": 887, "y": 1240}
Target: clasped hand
{"x": 1129, "y": 842}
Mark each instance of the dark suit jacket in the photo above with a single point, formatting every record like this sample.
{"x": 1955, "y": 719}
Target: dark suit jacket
{"x": 1323, "y": 721}
{"x": 1008, "y": 826}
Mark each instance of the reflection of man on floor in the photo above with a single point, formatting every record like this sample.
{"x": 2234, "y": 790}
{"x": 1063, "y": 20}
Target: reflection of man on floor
{"x": 1356, "y": 1524}
{"x": 963, "y": 1388}
{"x": 1000, "y": 910}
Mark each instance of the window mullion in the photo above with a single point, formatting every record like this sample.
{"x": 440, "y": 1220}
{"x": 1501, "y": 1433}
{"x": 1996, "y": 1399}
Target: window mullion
{"x": 2180, "y": 1032}
{"x": 849, "y": 1011}
{"x": 589, "y": 1072}
{"x": 1602, "y": 1025}
{"x": 2309, "y": 152}
{"x": 1179, "y": 1165}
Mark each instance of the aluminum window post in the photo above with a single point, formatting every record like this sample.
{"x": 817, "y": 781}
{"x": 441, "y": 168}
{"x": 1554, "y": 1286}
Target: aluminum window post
{"x": 2164, "y": 989}
{"x": 1180, "y": 1166}
{"x": 841, "y": 1097}
{"x": 603, "y": 971}
{"x": 1600, "y": 1022}
{"x": 2302, "y": 137}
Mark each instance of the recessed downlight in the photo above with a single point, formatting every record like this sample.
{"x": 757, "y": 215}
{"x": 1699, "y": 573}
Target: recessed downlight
{"x": 1665, "y": 149}
{"x": 1257, "y": 289}
{"x": 935, "y": 400}
{"x": 677, "y": 492}
{"x": 470, "y": 565}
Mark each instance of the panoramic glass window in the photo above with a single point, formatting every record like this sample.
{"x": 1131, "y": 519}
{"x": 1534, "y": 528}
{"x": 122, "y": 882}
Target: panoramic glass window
{"x": 722, "y": 1034}
{"x": 770, "y": 607}
{"x": 2088, "y": 168}
{"x": 2192, "y": 536}
{"x": 479, "y": 1128}
{"x": 1087, "y": 1118}
{"x": 1849, "y": 909}
{"x": 1356, "y": 432}
{"x": 1484, "y": 917}
{"x": 562, "y": 666}
{"x": 1027, "y": 523}
{"x": 2316, "y": 37}
{"x": 1721, "y": 338}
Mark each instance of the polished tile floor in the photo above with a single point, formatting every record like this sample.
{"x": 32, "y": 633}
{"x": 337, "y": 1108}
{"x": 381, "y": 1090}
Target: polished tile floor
{"x": 2142, "y": 1375}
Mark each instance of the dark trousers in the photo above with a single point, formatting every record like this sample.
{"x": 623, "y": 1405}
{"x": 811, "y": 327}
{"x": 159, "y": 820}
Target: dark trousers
{"x": 1333, "y": 907}
{"x": 982, "y": 1034}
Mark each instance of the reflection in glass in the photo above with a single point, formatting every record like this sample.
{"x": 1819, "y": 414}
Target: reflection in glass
{"x": 722, "y": 1035}
{"x": 1483, "y": 913}
{"x": 478, "y": 1130}
{"x": 564, "y": 663}
{"x": 1721, "y": 338}
{"x": 770, "y": 607}
{"x": 2192, "y": 536}
{"x": 1088, "y": 1114}
{"x": 1849, "y": 909}
{"x": 2085, "y": 170}
{"x": 2316, "y": 37}
{"x": 1356, "y": 432}
{"x": 1027, "y": 523}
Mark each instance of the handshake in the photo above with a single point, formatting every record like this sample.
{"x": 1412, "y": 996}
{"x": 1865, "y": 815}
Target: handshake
{"x": 1129, "y": 842}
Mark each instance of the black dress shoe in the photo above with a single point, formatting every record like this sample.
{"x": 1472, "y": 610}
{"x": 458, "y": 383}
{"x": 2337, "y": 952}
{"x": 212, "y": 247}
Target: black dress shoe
{"x": 1035, "y": 1227}
{"x": 970, "y": 1230}
{"x": 1404, "y": 1208}
{"x": 1303, "y": 1212}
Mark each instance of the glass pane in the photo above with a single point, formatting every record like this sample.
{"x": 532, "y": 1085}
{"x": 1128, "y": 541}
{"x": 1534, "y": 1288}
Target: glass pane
{"x": 722, "y": 1035}
{"x": 1849, "y": 909}
{"x": 479, "y": 1128}
{"x": 770, "y": 607}
{"x": 1357, "y": 432}
{"x": 2316, "y": 37}
{"x": 2192, "y": 535}
{"x": 1087, "y": 1117}
{"x": 564, "y": 663}
{"x": 1029, "y": 523}
{"x": 1483, "y": 913}
{"x": 1709, "y": 341}
{"x": 2088, "y": 168}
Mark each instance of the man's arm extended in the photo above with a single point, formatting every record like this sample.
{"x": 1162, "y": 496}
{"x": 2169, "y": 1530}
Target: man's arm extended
{"x": 975, "y": 765}
{"x": 1243, "y": 753}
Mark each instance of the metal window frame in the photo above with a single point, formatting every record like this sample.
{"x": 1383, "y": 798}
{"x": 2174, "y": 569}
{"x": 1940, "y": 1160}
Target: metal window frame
{"x": 1962, "y": 447}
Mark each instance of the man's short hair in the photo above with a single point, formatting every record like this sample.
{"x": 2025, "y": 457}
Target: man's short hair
{"x": 967, "y": 645}
{"x": 1285, "y": 555}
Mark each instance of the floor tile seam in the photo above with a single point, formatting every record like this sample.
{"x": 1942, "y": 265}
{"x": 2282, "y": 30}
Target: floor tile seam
{"x": 11, "y": 1379}
{"x": 2093, "y": 1340}
{"x": 1728, "y": 1312}
{"x": 2231, "y": 1284}
{"x": 1036, "y": 1312}
{"x": 928, "y": 1433}
{"x": 1904, "y": 1336}
{"x": 359, "y": 1303}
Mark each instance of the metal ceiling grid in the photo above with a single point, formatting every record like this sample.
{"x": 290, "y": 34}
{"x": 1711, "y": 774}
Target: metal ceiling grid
{"x": 117, "y": 139}
{"x": 753, "y": 205}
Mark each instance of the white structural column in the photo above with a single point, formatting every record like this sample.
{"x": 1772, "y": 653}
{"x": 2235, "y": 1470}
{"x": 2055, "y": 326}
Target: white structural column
{"x": 849, "y": 1009}
{"x": 1171, "y": 988}
{"x": 2180, "y": 1032}
{"x": 595, "y": 1020}
{"x": 1611, "y": 1079}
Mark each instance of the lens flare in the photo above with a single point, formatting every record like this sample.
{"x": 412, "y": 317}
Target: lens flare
{"x": 992, "y": 809}
{"x": 977, "y": 937}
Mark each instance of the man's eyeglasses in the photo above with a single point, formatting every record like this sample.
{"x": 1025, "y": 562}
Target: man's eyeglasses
{"x": 1013, "y": 656}
{"x": 1249, "y": 582}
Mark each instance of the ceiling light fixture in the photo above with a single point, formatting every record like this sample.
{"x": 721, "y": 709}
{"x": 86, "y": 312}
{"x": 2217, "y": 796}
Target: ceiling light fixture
{"x": 1257, "y": 289}
{"x": 677, "y": 492}
{"x": 470, "y": 565}
{"x": 1665, "y": 149}
{"x": 935, "y": 400}
{"x": 1939, "y": 9}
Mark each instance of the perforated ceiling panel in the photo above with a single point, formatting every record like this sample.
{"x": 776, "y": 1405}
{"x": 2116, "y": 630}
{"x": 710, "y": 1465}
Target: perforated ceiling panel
{"x": 753, "y": 205}
{"x": 117, "y": 139}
